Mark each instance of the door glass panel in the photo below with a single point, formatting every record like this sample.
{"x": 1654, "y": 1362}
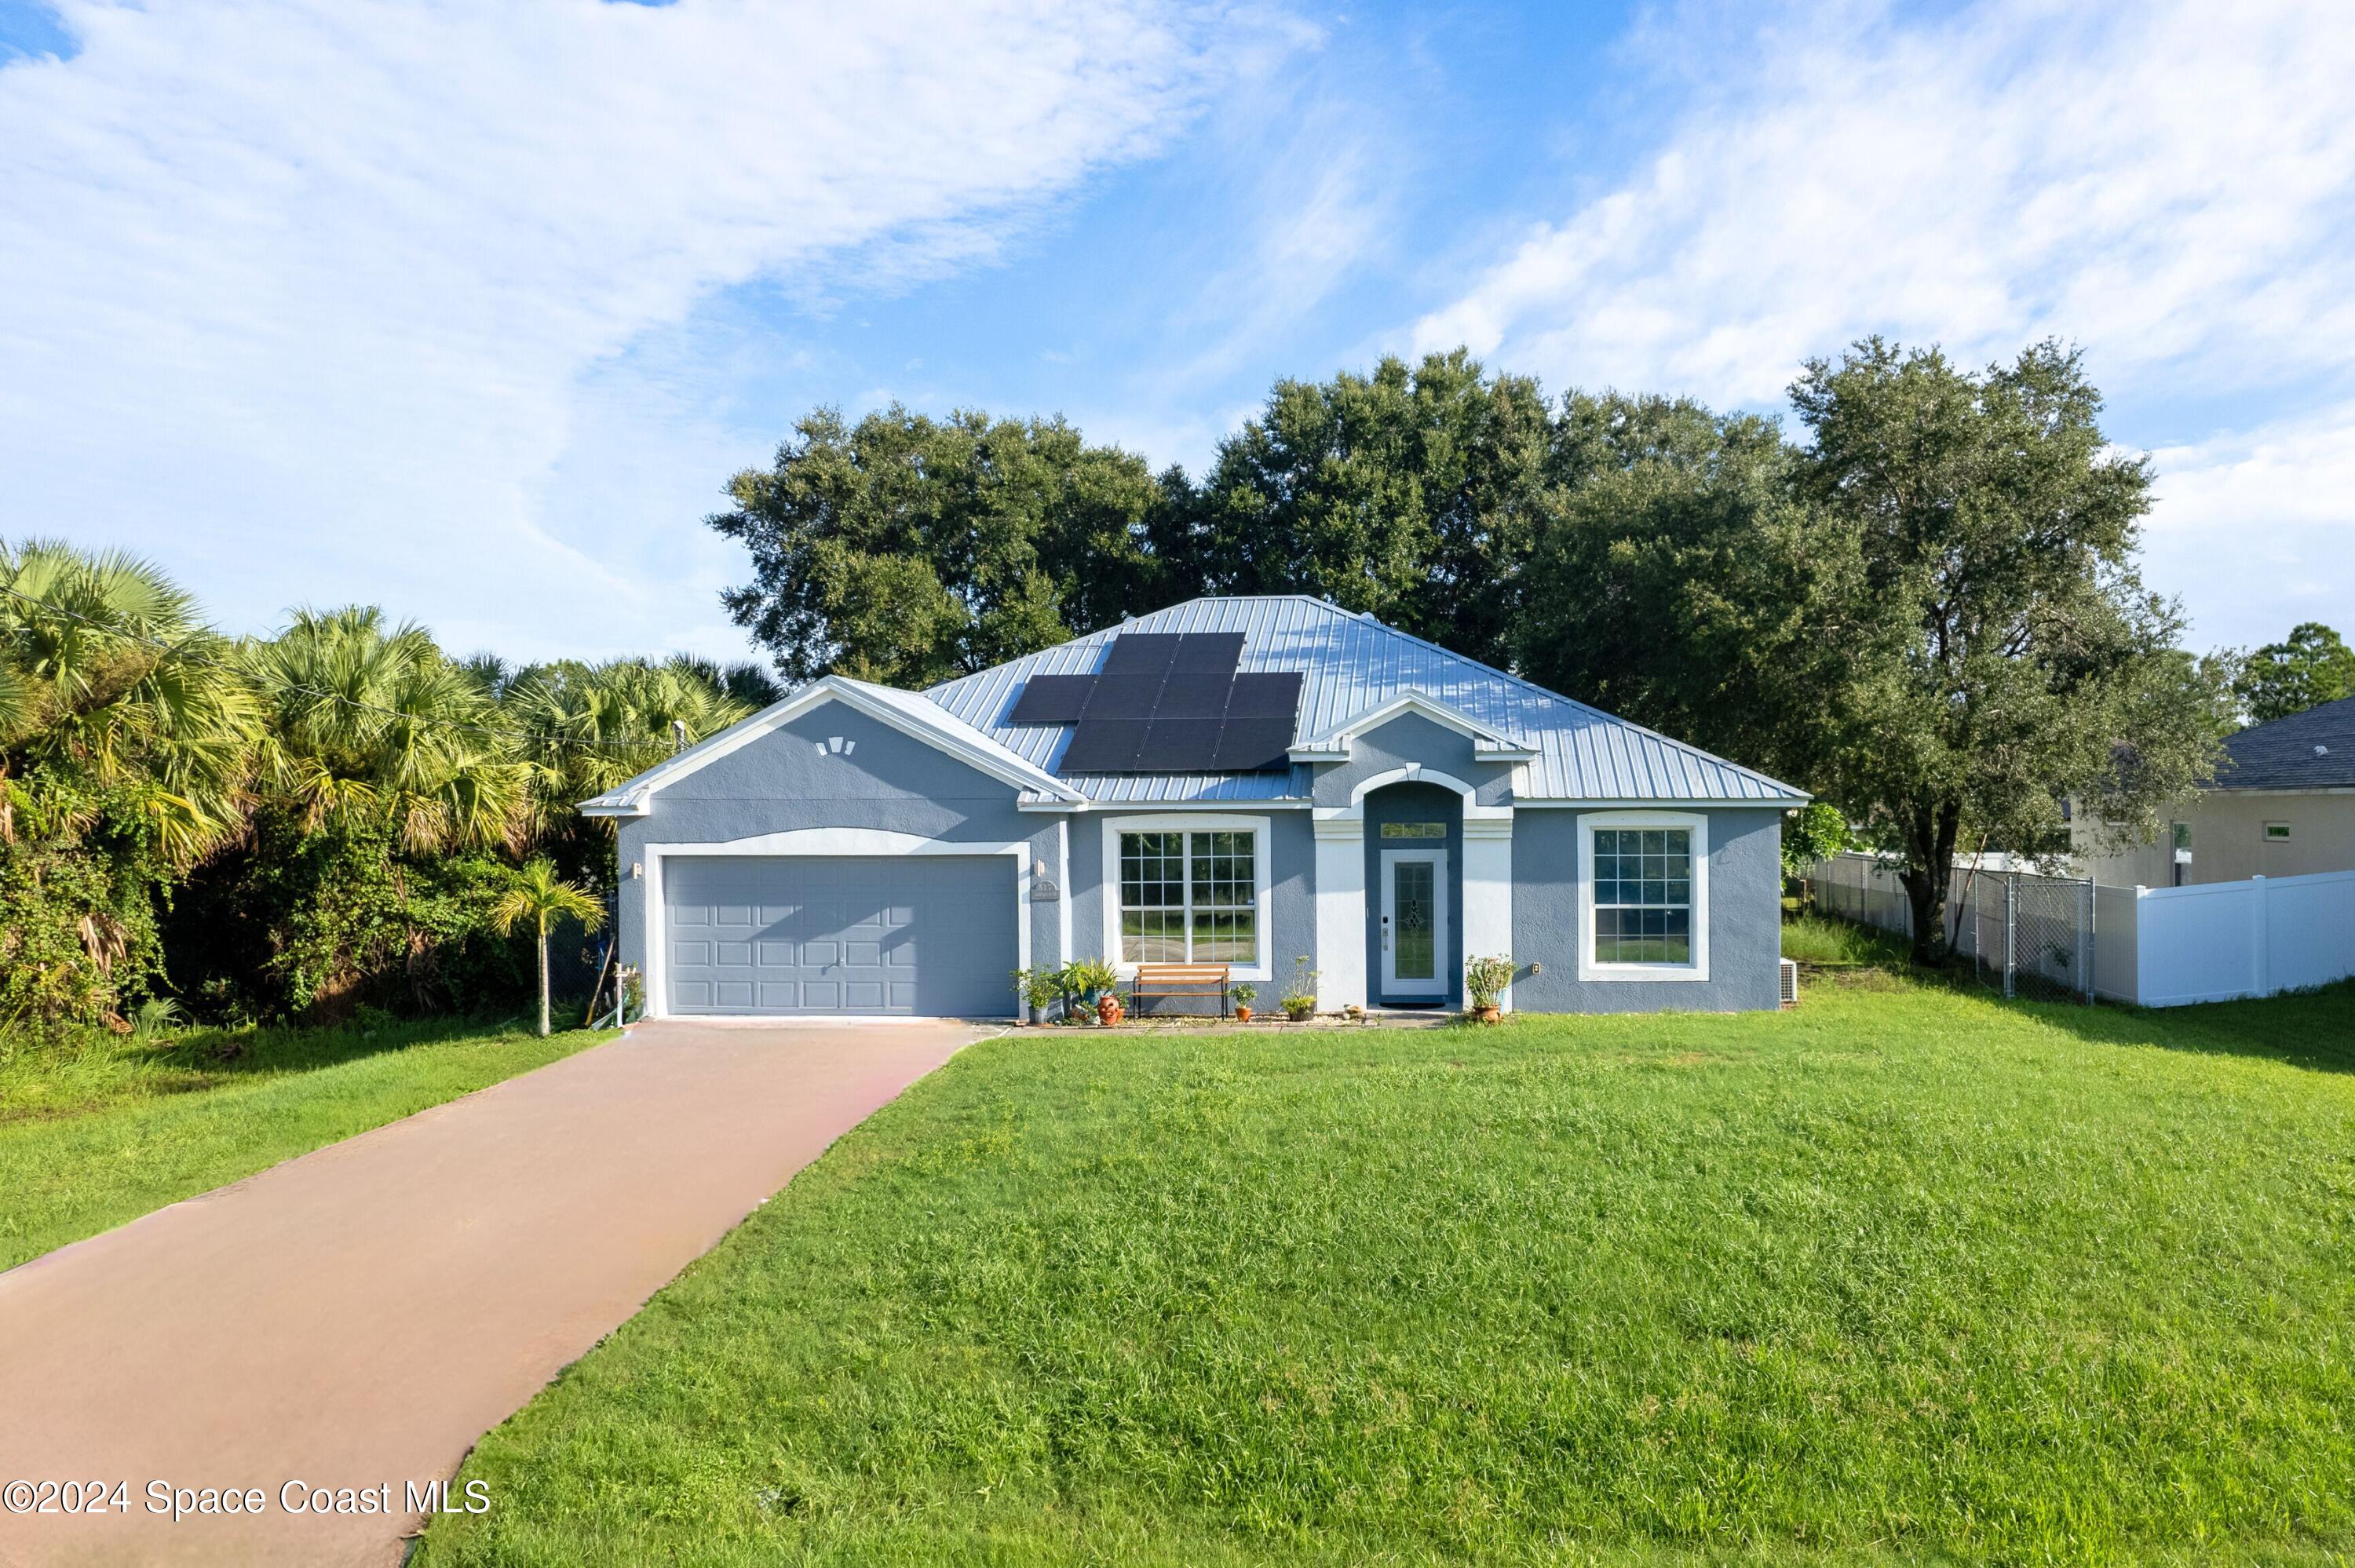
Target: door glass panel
{"x": 1414, "y": 895}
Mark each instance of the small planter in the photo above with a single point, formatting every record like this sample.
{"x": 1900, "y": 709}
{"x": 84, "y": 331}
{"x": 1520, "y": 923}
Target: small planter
{"x": 1301, "y": 1014}
{"x": 1242, "y": 1013}
{"x": 1037, "y": 1016}
{"x": 1490, "y": 1014}
{"x": 1108, "y": 1010}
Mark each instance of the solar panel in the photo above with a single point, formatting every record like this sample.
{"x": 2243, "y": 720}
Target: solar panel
{"x": 1125, "y": 696}
{"x": 1187, "y": 695}
{"x": 1254, "y": 743}
{"x": 1103, "y": 746}
{"x": 1169, "y": 702}
{"x": 1208, "y": 652}
{"x": 1272, "y": 693}
{"x": 1052, "y": 699}
{"x": 1142, "y": 652}
{"x": 1179, "y": 746}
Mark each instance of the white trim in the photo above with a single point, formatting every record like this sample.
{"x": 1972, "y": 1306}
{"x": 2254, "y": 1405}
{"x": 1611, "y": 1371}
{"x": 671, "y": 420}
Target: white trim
{"x": 1262, "y": 855}
{"x": 1435, "y": 856}
{"x": 1341, "y": 909}
{"x": 1064, "y": 884}
{"x": 1489, "y": 743}
{"x": 1698, "y": 824}
{"x": 839, "y": 842}
{"x": 1694, "y": 803}
{"x": 938, "y": 728}
{"x": 1488, "y": 892}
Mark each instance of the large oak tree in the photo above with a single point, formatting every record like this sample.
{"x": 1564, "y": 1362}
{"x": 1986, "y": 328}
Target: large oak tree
{"x": 2004, "y": 654}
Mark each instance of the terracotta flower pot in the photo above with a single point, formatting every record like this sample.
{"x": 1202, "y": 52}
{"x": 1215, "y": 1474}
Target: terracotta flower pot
{"x": 1242, "y": 1013}
{"x": 1108, "y": 1011}
{"x": 1488, "y": 1014}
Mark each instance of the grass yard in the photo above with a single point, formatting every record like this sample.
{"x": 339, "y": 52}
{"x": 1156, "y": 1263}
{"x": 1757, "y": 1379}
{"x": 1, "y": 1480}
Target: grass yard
{"x": 1904, "y": 1275}
{"x": 92, "y": 1137}
{"x": 1824, "y": 941}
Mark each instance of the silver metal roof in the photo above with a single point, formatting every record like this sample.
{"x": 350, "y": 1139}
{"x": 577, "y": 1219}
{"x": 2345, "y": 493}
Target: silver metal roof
{"x": 1354, "y": 664}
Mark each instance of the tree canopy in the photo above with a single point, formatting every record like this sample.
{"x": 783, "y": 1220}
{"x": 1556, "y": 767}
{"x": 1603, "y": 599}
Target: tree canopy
{"x": 908, "y": 550}
{"x": 2311, "y": 666}
{"x": 2001, "y": 650}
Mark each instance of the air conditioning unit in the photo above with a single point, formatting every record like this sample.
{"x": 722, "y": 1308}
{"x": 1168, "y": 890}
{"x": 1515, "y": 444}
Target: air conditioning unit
{"x": 1790, "y": 983}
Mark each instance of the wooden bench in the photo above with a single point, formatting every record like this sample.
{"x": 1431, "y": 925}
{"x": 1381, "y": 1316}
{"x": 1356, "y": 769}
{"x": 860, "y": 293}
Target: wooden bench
{"x": 1180, "y": 981}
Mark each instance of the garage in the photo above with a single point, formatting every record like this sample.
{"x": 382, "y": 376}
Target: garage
{"x": 898, "y": 936}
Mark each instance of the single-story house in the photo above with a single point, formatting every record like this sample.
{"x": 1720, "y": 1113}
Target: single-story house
{"x": 1247, "y": 781}
{"x": 2282, "y": 805}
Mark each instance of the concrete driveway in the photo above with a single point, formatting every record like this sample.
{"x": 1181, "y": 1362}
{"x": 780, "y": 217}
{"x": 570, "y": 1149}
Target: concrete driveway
{"x": 353, "y": 1320}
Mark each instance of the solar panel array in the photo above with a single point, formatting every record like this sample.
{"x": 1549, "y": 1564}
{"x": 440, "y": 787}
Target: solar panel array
{"x": 1168, "y": 704}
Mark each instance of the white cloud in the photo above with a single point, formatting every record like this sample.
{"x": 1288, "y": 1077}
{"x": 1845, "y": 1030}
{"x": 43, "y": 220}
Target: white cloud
{"x": 2143, "y": 179}
{"x": 2259, "y": 527}
{"x": 307, "y": 292}
{"x": 2170, "y": 184}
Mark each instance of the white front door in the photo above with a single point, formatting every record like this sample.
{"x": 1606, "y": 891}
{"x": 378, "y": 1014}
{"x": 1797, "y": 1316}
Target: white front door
{"x": 1414, "y": 922}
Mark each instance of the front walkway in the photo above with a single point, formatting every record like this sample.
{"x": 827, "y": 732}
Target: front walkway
{"x": 358, "y": 1317}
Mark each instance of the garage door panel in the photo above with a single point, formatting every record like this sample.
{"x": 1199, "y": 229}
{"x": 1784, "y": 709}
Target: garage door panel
{"x": 913, "y": 935}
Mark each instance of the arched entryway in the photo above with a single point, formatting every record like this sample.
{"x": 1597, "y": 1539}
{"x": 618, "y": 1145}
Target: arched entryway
{"x": 1414, "y": 895}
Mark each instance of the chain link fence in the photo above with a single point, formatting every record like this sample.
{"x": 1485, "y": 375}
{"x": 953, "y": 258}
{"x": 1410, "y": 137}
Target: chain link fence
{"x": 2024, "y": 933}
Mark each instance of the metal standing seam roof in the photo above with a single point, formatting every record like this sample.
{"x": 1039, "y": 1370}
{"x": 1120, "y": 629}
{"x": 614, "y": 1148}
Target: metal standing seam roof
{"x": 1354, "y": 664}
{"x": 2309, "y": 750}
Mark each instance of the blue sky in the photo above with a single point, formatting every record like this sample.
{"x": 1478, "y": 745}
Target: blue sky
{"x": 470, "y": 310}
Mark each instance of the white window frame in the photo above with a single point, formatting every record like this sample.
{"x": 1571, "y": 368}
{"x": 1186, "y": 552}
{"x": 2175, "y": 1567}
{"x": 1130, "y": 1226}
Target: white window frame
{"x": 1694, "y": 823}
{"x": 1262, "y": 851}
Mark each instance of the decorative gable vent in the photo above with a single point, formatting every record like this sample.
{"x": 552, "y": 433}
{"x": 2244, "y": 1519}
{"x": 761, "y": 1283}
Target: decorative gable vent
{"x": 836, "y": 746}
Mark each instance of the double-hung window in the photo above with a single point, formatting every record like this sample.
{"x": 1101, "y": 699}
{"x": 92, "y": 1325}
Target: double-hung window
{"x": 1642, "y": 895}
{"x": 1645, "y": 878}
{"x": 1189, "y": 897}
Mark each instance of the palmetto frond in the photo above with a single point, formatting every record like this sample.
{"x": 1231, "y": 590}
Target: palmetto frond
{"x": 105, "y": 665}
{"x": 588, "y": 727}
{"x": 371, "y": 718}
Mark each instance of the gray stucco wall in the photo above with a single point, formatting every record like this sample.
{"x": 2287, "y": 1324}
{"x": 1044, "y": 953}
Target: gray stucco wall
{"x": 888, "y": 781}
{"x": 1415, "y": 803}
{"x": 1292, "y": 875}
{"x": 1745, "y": 919}
{"x": 1410, "y": 737}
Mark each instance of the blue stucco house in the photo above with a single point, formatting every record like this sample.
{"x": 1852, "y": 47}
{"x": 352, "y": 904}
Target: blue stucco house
{"x": 1258, "y": 780}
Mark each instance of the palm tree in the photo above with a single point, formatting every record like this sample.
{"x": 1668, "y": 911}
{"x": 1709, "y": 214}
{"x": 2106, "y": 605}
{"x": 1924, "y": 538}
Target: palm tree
{"x": 106, "y": 670}
{"x": 587, "y": 727}
{"x": 539, "y": 896}
{"x": 371, "y": 723}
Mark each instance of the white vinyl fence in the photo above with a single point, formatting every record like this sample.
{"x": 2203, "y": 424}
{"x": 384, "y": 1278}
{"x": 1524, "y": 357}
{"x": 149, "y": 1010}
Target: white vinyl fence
{"x": 2156, "y": 947}
{"x": 2218, "y": 940}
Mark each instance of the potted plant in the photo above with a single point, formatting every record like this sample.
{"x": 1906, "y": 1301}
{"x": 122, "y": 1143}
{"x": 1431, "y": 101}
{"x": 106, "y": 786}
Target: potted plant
{"x": 1300, "y": 1001}
{"x": 1040, "y": 988}
{"x": 1088, "y": 983}
{"x": 1485, "y": 980}
{"x": 1244, "y": 994}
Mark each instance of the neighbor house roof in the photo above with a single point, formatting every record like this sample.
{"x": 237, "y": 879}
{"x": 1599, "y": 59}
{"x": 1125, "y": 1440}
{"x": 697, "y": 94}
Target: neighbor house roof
{"x": 2312, "y": 751}
{"x": 1355, "y": 667}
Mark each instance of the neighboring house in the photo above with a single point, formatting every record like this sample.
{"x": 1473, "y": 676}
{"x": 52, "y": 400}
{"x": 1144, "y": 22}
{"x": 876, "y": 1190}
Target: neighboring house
{"x": 2282, "y": 805}
{"x": 1240, "y": 780}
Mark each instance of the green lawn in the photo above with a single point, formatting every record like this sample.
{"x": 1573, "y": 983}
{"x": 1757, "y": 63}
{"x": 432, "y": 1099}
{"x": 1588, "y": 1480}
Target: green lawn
{"x": 92, "y": 1137}
{"x": 1904, "y": 1275}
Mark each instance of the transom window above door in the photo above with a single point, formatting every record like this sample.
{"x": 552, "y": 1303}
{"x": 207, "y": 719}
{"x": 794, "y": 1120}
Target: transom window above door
{"x": 1414, "y": 829}
{"x": 1189, "y": 897}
